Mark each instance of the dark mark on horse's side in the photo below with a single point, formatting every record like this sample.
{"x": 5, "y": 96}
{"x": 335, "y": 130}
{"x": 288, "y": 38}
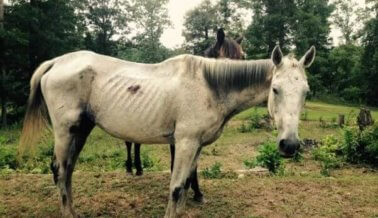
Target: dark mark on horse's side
{"x": 133, "y": 89}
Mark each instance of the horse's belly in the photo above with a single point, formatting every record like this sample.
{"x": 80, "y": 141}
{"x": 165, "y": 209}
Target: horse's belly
{"x": 133, "y": 128}
{"x": 136, "y": 114}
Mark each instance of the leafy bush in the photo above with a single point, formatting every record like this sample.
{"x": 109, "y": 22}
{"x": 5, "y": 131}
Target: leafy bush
{"x": 361, "y": 146}
{"x": 214, "y": 172}
{"x": 327, "y": 154}
{"x": 268, "y": 157}
{"x": 8, "y": 157}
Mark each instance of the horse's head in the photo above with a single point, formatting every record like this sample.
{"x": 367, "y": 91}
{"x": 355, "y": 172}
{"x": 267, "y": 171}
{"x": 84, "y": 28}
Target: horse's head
{"x": 287, "y": 96}
{"x": 225, "y": 47}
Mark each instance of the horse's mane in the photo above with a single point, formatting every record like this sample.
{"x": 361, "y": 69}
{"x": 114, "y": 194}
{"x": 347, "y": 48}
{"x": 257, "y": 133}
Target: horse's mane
{"x": 228, "y": 75}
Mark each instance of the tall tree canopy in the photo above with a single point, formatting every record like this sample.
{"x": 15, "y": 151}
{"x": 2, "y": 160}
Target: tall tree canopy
{"x": 151, "y": 18}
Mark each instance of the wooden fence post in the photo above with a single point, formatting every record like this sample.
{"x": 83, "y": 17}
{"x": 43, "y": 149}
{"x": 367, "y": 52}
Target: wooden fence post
{"x": 364, "y": 119}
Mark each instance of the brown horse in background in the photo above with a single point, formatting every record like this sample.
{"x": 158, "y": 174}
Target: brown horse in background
{"x": 223, "y": 48}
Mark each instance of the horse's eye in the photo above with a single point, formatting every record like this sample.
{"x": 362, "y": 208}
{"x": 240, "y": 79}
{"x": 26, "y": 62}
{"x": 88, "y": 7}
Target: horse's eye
{"x": 275, "y": 91}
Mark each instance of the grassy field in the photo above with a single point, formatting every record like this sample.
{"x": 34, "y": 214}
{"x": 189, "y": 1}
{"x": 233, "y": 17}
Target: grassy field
{"x": 102, "y": 188}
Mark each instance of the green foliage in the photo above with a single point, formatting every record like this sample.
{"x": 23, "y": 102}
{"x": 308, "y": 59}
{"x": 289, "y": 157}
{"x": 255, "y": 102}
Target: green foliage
{"x": 200, "y": 27}
{"x": 327, "y": 154}
{"x": 355, "y": 147}
{"x": 250, "y": 163}
{"x": 361, "y": 147}
{"x": 369, "y": 60}
{"x": 304, "y": 115}
{"x": 147, "y": 162}
{"x": 214, "y": 172}
{"x": 104, "y": 20}
{"x": 8, "y": 157}
{"x": 253, "y": 122}
{"x": 268, "y": 157}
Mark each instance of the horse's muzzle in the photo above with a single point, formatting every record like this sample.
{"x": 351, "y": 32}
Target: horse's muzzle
{"x": 288, "y": 147}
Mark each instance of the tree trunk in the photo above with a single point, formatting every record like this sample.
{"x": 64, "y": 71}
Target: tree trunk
{"x": 3, "y": 100}
{"x": 33, "y": 44}
{"x": 2, "y": 72}
{"x": 364, "y": 119}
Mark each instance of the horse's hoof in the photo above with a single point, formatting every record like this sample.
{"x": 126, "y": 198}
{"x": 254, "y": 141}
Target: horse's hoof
{"x": 199, "y": 199}
{"x": 139, "y": 173}
{"x": 129, "y": 173}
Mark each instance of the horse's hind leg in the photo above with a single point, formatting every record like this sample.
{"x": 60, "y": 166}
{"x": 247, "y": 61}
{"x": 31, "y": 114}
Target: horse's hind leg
{"x": 69, "y": 141}
{"x": 129, "y": 161}
{"x": 137, "y": 163}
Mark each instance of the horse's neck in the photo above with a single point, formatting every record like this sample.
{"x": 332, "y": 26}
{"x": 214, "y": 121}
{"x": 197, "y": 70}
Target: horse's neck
{"x": 234, "y": 102}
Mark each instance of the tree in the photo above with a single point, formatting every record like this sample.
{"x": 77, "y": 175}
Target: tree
{"x": 2, "y": 71}
{"x": 231, "y": 16}
{"x": 271, "y": 24}
{"x": 369, "y": 59}
{"x": 55, "y": 32}
{"x": 200, "y": 27}
{"x": 151, "y": 18}
{"x": 312, "y": 27}
{"x": 344, "y": 72}
{"x": 105, "y": 21}
{"x": 349, "y": 18}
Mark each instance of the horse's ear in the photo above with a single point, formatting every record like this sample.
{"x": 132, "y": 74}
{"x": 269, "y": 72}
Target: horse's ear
{"x": 239, "y": 39}
{"x": 277, "y": 55}
{"x": 220, "y": 36}
{"x": 308, "y": 58}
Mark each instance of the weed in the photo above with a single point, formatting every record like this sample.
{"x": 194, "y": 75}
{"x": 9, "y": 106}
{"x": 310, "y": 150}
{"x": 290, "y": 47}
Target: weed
{"x": 326, "y": 153}
{"x": 268, "y": 157}
{"x": 214, "y": 172}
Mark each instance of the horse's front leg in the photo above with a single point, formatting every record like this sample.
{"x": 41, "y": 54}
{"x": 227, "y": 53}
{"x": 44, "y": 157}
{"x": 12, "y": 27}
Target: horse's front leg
{"x": 198, "y": 196}
{"x": 186, "y": 155}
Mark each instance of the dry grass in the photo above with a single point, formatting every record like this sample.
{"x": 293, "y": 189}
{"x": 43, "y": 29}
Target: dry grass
{"x": 351, "y": 193}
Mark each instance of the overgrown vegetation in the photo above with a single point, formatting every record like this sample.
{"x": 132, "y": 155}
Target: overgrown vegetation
{"x": 268, "y": 157}
{"x": 328, "y": 154}
{"x": 355, "y": 147}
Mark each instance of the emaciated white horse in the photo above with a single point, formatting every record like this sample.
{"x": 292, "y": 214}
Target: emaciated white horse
{"x": 185, "y": 100}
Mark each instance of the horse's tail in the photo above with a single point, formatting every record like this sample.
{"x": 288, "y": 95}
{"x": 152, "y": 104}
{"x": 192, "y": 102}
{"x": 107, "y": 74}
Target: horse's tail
{"x": 36, "y": 118}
